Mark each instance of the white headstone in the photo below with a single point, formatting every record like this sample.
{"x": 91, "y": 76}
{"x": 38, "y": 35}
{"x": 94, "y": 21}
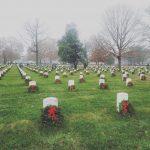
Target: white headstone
{"x": 81, "y": 76}
{"x": 27, "y": 77}
{"x": 101, "y": 81}
{"x": 53, "y": 101}
{"x": 45, "y": 73}
{"x": 64, "y": 73}
{"x": 87, "y": 71}
{"x": 57, "y": 77}
{"x": 128, "y": 80}
{"x": 124, "y": 75}
{"x": 102, "y": 76}
{"x": 142, "y": 75}
{"x": 24, "y": 74}
{"x": 98, "y": 72}
{"x": 32, "y": 83}
{"x": 57, "y": 72}
{"x": 70, "y": 82}
{"x": 121, "y": 97}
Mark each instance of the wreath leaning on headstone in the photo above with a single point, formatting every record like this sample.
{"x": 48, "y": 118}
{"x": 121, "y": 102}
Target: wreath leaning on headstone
{"x": 51, "y": 116}
{"x": 125, "y": 108}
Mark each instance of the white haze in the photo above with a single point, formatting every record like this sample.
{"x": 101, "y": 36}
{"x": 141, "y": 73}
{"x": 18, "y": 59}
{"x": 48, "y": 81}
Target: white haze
{"x": 55, "y": 14}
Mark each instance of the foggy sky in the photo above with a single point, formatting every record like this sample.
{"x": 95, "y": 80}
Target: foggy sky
{"x": 55, "y": 14}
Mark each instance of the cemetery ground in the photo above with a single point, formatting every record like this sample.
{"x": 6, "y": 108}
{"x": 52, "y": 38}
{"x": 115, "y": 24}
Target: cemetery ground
{"x": 90, "y": 119}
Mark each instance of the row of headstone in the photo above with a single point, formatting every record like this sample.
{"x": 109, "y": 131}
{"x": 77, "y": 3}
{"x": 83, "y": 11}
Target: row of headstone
{"x": 71, "y": 83}
{"x": 62, "y": 69}
{"x": 22, "y": 72}
{"x": 58, "y": 72}
{"x": 122, "y": 102}
{"x": 4, "y": 70}
{"x": 2, "y": 66}
{"x": 64, "y": 74}
{"x": 102, "y": 83}
{"x": 32, "y": 86}
{"x": 95, "y": 68}
{"x": 59, "y": 69}
{"x": 113, "y": 69}
{"x": 44, "y": 73}
{"x": 99, "y": 70}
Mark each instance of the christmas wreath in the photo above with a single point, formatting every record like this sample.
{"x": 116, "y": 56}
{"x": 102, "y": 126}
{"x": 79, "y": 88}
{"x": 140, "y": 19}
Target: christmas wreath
{"x": 51, "y": 116}
{"x": 103, "y": 86}
{"x": 126, "y": 108}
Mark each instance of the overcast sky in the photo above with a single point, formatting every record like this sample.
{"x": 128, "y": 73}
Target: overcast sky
{"x": 55, "y": 14}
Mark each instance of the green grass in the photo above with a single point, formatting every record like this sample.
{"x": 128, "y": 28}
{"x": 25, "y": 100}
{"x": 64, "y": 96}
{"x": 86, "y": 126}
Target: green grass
{"x": 91, "y": 122}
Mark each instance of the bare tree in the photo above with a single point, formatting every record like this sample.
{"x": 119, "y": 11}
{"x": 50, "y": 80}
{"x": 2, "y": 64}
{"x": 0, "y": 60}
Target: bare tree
{"x": 10, "y": 49}
{"x": 97, "y": 53}
{"x": 146, "y": 28}
{"x": 137, "y": 54}
{"x": 2, "y": 49}
{"x": 50, "y": 50}
{"x": 36, "y": 36}
{"x": 30, "y": 56}
{"x": 119, "y": 31}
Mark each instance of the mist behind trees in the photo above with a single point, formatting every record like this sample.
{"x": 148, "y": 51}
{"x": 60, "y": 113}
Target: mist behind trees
{"x": 123, "y": 37}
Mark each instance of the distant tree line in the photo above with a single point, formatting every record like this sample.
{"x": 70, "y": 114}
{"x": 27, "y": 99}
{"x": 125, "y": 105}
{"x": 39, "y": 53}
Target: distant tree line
{"x": 10, "y": 50}
{"x": 123, "y": 36}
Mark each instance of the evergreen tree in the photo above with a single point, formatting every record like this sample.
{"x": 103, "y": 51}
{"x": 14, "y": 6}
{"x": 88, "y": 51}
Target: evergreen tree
{"x": 71, "y": 50}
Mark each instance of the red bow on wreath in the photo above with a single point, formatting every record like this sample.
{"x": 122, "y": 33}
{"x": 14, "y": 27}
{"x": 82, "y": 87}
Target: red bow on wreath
{"x": 51, "y": 113}
{"x": 125, "y": 104}
{"x": 33, "y": 88}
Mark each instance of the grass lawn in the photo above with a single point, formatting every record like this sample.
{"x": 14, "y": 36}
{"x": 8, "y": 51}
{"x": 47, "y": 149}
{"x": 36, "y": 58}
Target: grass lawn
{"x": 91, "y": 122}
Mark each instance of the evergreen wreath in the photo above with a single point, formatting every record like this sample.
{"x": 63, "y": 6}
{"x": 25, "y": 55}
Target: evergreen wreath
{"x": 51, "y": 116}
{"x": 126, "y": 108}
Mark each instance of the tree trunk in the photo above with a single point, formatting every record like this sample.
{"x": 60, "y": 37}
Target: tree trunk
{"x": 85, "y": 65}
{"x": 5, "y": 60}
{"x": 40, "y": 61}
{"x": 119, "y": 62}
{"x": 50, "y": 61}
{"x": 36, "y": 46}
{"x": 75, "y": 65}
